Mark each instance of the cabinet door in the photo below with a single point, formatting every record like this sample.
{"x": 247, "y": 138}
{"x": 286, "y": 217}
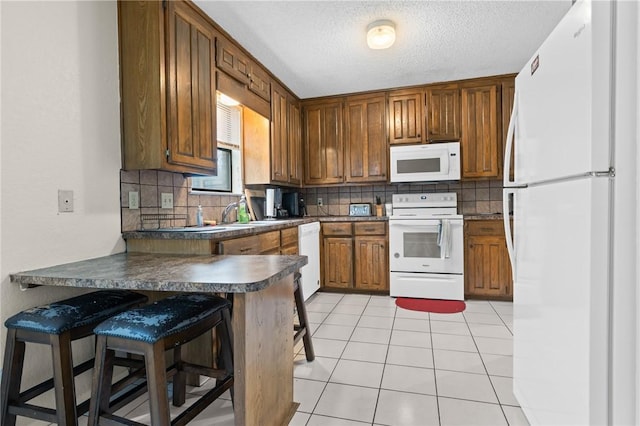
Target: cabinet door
{"x": 338, "y": 262}
{"x": 365, "y": 139}
{"x": 371, "y": 263}
{"x": 259, "y": 81}
{"x": 232, "y": 60}
{"x": 487, "y": 271}
{"x": 406, "y": 117}
{"x": 508, "y": 92}
{"x": 443, "y": 114}
{"x": 294, "y": 121}
{"x": 192, "y": 89}
{"x": 323, "y": 142}
{"x": 279, "y": 135}
{"x": 480, "y": 143}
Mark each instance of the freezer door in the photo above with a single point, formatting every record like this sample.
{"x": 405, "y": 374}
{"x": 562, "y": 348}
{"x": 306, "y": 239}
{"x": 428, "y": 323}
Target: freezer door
{"x": 563, "y": 99}
{"x": 560, "y": 302}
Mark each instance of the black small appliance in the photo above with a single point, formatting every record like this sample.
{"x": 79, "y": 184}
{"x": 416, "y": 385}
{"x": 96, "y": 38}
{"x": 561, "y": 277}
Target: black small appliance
{"x": 294, "y": 204}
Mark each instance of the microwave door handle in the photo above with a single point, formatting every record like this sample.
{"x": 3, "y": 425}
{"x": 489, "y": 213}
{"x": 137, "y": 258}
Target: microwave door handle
{"x": 445, "y": 162}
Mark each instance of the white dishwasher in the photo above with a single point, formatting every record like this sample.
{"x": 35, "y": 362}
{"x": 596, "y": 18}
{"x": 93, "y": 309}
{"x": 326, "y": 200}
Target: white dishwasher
{"x": 309, "y": 245}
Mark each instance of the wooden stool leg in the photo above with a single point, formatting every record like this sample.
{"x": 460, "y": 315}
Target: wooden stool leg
{"x": 179, "y": 379}
{"x": 11, "y": 375}
{"x": 157, "y": 384}
{"x": 304, "y": 323}
{"x": 101, "y": 384}
{"x": 63, "y": 379}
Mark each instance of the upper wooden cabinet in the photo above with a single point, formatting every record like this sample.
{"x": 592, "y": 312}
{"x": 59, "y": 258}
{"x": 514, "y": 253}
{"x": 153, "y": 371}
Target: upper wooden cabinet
{"x": 322, "y": 126}
{"x": 480, "y": 144}
{"x": 168, "y": 87}
{"x": 443, "y": 113}
{"x": 406, "y": 116}
{"x": 508, "y": 92}
{"x": 233, "y": 61}
{"x": 272, "y": 147}
{"x": 365, "y": 139}
{"x": 286, "y": 137}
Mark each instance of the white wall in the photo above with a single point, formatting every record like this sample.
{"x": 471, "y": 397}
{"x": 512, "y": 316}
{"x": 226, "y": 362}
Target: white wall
{"x": 60, "y": 129}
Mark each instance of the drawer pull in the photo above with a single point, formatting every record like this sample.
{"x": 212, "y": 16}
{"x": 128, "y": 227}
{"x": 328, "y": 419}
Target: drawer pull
{"x": 487, "y": 229}
{"x": 369, "y": 229}
{"x": 244, "y": 250}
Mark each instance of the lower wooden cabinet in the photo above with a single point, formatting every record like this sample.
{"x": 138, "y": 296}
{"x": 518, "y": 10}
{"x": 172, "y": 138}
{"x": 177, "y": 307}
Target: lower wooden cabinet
{"x": 284, "y": 241}
{"x": 487, "y": 270}
{"x": 355, "y": 256}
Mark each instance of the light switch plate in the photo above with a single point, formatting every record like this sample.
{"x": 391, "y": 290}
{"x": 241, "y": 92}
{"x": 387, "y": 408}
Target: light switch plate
{"x": 65, "y": 201}
{"x": 134, "y": 200}
{"x": 167, "y": 200}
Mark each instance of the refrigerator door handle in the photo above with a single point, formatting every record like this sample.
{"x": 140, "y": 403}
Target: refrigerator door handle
{"x": 507, "y": 227}
{"x": 510, "y": 138}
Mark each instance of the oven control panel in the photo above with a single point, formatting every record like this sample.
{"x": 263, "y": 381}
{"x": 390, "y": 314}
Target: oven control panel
{"x": 437, "y": 199}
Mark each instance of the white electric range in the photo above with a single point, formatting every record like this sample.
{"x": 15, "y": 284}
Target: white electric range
{"x": 426, "y": 253}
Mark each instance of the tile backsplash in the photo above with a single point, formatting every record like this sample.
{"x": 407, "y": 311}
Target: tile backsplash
{"x": 473, "y": 197}
{"x": 151, "y": 183}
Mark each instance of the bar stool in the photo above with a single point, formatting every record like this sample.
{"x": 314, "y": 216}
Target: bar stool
{"x": 151, "y": 330}
{"x": 56, "y": 325}
{"x": 302, "y": 330}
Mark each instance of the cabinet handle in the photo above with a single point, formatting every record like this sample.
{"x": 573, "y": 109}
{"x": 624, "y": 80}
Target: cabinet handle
{"x": 244, "y": 250}
{"x": 369, "y": 229}
{"x": 487, "y": 229}
{"x": 418, "y": 135}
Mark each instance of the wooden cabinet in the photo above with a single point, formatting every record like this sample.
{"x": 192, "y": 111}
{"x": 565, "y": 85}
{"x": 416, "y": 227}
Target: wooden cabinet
{"x": 365, "y": 132}
{"x": 371, "y": 256}
{"x": 508, "y": 93}
{"x": 480, "y": 145}
{"x": 233, "y": 61}
{"x": 168, "y": 87}
{"x": 487, "y": 272}
{"x": 284, "y": 241}
{"x": 286, "y": 138}
{"x": 294, "y": 129}
{"x": 322, "y": 126}
{"x": 289, "y": 241}
{"x": 443, "y": 113}
{"x": 406, "y": 116}
{"x": 355, "y": 256}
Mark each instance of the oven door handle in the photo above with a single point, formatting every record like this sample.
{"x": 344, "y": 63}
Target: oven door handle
{"x": 444, "y": 239}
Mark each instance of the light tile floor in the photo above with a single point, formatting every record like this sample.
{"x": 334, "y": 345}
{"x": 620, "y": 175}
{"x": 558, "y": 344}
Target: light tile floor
{"x": 381, "y": 365}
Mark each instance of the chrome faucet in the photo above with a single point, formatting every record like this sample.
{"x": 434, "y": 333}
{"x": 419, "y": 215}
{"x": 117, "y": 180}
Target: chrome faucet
{"x": 227, "y": 210}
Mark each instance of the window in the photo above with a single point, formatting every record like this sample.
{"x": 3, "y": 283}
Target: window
{"x": 229, "y": 178}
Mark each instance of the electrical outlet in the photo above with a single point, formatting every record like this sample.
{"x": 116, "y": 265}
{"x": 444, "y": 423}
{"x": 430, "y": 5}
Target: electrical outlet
{"x": 134, "y": 200}
{"x": 65, "y": 201}
{"x": 320, "y": 203}
{"x": 167, "y": 200}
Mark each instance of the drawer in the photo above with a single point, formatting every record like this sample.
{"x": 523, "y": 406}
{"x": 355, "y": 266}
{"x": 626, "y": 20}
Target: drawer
{"x": 289, "y": 236}
{"x": 269, "y": 242}
{"x": 370, "y": 228}
{"x": 244, "y": 245}
{"x": 484, "y": 227}
{"x": 336, "y": 228}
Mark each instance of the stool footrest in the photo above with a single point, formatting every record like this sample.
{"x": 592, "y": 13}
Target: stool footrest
{"x": 209, "y": 372}
{"x": 34, "y": 412}
{"x": 202, "y": 403}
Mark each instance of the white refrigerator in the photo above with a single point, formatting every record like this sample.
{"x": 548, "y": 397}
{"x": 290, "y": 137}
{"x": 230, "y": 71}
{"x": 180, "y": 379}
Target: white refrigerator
{"x": 571, "y": 345}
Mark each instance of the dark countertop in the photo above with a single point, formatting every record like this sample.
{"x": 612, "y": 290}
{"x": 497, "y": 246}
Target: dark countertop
{"x": 235, "y": 230}
{"x": 158, "y": 272}
{"x": 483, "y": 216}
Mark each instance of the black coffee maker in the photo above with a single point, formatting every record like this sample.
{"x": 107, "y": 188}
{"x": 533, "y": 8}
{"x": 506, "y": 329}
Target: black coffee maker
{"x": 294, "y": 204}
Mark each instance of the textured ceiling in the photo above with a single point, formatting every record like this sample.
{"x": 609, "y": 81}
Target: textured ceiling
{"x": 318, "y": 48}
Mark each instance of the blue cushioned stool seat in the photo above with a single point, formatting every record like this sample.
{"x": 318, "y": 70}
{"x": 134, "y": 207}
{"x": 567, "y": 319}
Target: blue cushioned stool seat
{"x": 149, "y": 331}
{"x": 86, "y": 309}
{"x": 163, "y": 318}
{"x": 57, "y": 325}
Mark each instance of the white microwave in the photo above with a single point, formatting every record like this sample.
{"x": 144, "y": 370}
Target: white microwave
{"x": 425, "y": 163}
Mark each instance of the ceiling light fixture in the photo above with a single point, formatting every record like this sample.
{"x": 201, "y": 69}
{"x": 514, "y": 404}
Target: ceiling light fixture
{"x": 381, "y": 34}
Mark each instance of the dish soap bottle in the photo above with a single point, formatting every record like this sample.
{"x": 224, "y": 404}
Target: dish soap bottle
{"x": 199, "y": 219}
{"x": 243, "y": 215}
